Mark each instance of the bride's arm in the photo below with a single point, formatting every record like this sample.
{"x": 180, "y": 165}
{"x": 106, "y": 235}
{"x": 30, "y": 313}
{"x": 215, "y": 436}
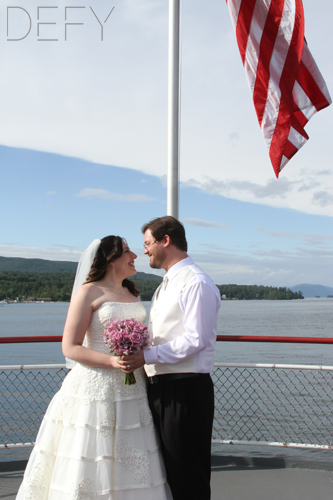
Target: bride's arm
{"x": 77, "y": 322}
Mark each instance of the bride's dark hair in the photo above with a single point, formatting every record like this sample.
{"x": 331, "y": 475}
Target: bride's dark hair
{"x": 110, "y": 249}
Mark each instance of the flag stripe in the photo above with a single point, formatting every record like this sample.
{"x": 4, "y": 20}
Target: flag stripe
{"x": 265, "y": 53}
{"x": 253, "y": 44}
{"x": 234, "y": 7}
{"x": 298, "y": 121}
{"x": 243, "y": 25}
{"x": 310, "y": 87}
{"x": 290, "y": 150}
{"x": 296, "y": 138}
{"x": 311, "y": 66}
{"x": 276, "y": 66}
{"x": 286, "y": 84}
{"x": 288, "y": 78}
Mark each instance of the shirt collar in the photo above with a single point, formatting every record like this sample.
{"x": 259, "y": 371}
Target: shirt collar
{"x": 176, "y": 268}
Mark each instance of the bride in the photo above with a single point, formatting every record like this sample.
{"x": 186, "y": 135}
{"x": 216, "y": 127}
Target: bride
{"x": 97, "y": 439}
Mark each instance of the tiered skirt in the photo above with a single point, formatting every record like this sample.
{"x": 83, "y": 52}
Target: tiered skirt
{"x": 96, "y": 441}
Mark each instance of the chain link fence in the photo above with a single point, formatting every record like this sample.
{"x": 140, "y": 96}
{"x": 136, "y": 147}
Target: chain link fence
{"x": 276, "y": 405}
{"x": 254, "y": 404}
{"x": 24, "y": 396}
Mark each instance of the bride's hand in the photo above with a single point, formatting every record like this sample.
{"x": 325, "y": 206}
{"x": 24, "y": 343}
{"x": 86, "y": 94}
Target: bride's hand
{"x": 115, "y": 362}
{"x": 132, "y": 362}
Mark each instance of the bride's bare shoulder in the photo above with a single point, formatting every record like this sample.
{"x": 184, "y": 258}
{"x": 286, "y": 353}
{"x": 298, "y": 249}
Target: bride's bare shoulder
{"x": 90, "y": 292}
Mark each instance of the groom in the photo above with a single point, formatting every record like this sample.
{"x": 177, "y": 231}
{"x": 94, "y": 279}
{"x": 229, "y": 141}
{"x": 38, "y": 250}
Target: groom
{"x": 183, "y": 327}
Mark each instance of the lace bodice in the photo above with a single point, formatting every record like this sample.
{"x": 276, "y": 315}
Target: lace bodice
{"x": 104, "y": 315}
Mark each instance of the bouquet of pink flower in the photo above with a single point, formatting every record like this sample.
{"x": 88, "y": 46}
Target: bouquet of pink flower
{"x": 126, "y": 336}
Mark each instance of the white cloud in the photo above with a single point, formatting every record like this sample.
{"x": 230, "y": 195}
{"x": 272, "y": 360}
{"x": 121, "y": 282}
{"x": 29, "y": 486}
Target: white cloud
{"x": 65, "y": 247}
{"x": 107, "y": 195}
{"x": 309, "y": 186}
{"x": 230, "y": 187}
{"x": 323, "y": 198}
{"x": 40, "y": 253}
{"x": 269, "y": 268}
{"x": 312, "y": 239}
{"x": 280, "y": 193}
{"x": 203, "y": 223}
{"x": 51, "y": 193}
{"x": 324, "y": 172}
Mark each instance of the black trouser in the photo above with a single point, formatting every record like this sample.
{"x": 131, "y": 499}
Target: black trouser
{"x": 183, "y": 412}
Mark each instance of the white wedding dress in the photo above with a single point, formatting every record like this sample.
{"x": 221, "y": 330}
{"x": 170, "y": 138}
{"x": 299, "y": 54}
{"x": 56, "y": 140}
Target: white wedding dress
{"x": 97, "y": 440}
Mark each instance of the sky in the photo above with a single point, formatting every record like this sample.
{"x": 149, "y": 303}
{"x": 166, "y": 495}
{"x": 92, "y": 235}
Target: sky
{"x": 83, "y": 140}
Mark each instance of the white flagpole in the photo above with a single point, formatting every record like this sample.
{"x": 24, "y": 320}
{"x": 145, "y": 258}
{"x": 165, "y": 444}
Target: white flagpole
{"x": 173, "y": 110}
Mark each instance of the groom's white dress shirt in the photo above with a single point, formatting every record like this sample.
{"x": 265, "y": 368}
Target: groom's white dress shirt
{"x": 191, "y": 342}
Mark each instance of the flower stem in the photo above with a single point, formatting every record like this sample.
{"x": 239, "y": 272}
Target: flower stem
{"x": 130, "y": 378}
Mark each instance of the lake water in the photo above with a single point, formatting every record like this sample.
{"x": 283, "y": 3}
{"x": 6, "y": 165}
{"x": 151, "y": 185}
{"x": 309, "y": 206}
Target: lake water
{"x": 295, "y": 318}
{"x": 302, "y": 318}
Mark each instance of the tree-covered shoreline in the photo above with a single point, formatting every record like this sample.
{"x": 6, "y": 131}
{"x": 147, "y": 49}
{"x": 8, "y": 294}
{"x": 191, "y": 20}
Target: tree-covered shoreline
{"x": 57, "y": 286}
{"x": 257, "y": 292}
{"x": 30, "y": 286}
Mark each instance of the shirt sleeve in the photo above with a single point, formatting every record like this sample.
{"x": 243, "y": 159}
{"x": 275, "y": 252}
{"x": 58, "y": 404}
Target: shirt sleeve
{"x": 199, "y": 303}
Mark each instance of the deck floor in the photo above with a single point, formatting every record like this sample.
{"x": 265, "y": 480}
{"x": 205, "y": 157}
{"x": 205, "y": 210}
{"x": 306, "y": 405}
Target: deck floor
{"x": 235, "y": 479}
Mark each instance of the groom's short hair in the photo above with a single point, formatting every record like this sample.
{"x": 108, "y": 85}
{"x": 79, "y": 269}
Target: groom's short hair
{"x": 167, "y": 225}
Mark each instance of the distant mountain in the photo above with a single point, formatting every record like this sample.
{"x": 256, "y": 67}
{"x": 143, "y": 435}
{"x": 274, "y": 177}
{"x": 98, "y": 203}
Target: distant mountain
{"x": 36, "y": 265}
{"x": 146, "y": 276}
{"x": 312, "y": 290}
{"x": 53, "y": 266}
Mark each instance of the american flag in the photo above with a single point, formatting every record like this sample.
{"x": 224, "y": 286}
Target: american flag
{"x": 286, "y": 84}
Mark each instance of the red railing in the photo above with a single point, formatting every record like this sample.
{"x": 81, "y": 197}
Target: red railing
{"x": 23, "y": 340}
{"x": 220, "y": 338}
{"x": 259, "y": 338}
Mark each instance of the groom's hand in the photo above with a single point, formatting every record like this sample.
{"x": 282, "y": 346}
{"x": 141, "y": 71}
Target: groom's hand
{"x": 132, "y": 362}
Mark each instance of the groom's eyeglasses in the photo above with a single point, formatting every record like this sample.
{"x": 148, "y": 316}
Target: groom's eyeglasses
{"x": 148, "y": 245}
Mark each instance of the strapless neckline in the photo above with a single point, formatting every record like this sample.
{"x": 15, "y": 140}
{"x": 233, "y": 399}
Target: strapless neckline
{"x": 117, "y": 302}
